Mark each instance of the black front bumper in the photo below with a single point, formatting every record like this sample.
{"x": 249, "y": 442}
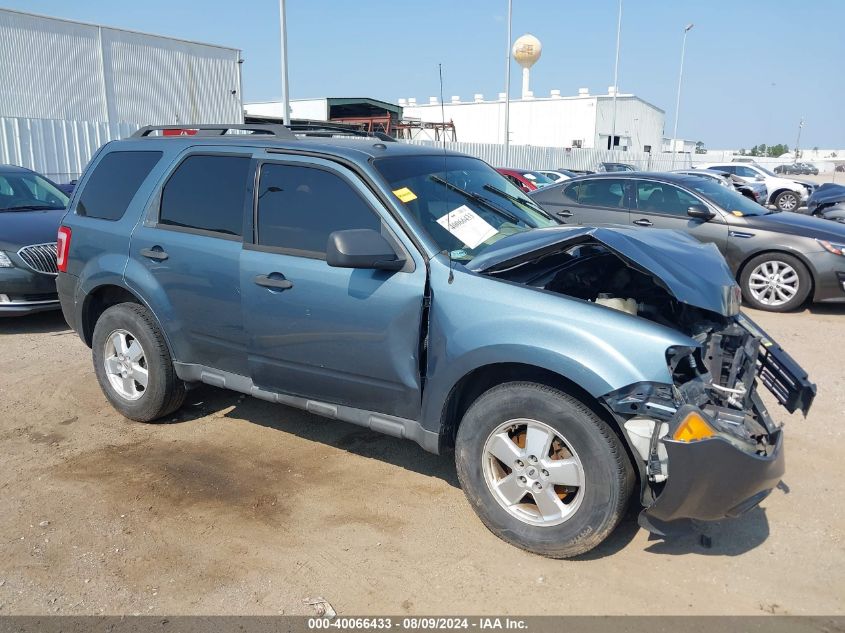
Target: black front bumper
{"x": 26, "y": 292}
{"x": 711, "y": 479}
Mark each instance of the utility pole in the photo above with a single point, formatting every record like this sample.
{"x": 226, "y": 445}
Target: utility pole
{"x": 798, "y": 140}
{"x": 508, "y": 87}
{"x": 687, "y": 29}
{"x": 616, "y": 76}
{"x": 283, "y": 32}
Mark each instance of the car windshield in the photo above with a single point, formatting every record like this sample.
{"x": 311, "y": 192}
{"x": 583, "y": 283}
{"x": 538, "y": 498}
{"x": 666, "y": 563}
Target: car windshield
{"x": 728, "y": 199}
{"x": 26, "y": 191}
{"x": 461, "y": 202}
{"x": 541, "y": 180}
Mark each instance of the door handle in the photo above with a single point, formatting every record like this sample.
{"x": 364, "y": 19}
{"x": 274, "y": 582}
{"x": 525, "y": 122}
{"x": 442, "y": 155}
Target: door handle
{"x": 274, "y": 282}
{"x": 565, "y": 213}
{"x": 155, "y": 252}
{"x": 643, "y": 222}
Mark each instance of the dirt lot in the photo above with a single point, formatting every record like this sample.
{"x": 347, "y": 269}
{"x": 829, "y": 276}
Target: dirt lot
{"x": 237, "y": 506}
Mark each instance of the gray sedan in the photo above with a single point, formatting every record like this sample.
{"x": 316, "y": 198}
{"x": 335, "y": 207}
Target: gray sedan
{"x": 780, "y": 259}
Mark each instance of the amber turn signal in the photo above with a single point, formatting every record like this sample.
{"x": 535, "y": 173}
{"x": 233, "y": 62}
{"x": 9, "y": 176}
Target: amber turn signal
{"x": 692, "y": 428}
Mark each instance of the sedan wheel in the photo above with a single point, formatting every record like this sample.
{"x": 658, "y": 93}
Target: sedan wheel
{"x": 775, "y": 282}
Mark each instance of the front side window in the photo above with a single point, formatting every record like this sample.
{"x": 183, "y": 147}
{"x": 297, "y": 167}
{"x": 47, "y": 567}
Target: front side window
{"x": 299, "y": 207}
{"x": 665, "y": 199}
{"x": 727, "y": 198}
{"x": 746, "y": 172}
{"x": 462, "y": 203}
{"x": 29, "y": 192}
{"x": 114, "y": 183}
{"x": 206, "y": 193}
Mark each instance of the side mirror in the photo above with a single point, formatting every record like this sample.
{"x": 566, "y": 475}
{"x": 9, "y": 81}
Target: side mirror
{"x": 700, "y": 212}
{"x": 361, "y": 248}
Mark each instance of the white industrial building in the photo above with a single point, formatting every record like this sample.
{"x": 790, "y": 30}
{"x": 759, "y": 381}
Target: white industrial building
{"x": 68, "y": 87}
{"x": 581, "y": 121}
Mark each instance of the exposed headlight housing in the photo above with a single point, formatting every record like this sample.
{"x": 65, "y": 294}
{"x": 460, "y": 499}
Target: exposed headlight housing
{"x": 836, "y": 248}
{"x": 5, "y": 262}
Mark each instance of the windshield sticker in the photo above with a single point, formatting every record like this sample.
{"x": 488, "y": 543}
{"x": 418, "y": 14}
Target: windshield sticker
{"x": 405, "y": 194}
{"x": 467, "y": 226}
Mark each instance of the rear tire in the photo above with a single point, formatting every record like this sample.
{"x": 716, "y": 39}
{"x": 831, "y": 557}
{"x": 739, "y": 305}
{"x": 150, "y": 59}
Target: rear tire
{"x": 787, "y": 201}
{"x": 502, "y": 439}
{"x": 133, "y": 364}
{"x": 775, "y": 282}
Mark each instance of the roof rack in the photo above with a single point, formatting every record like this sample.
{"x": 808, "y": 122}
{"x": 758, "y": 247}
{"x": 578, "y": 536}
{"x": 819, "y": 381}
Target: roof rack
{"x": 263, "y": 129}
{"x": 277, "y": 130}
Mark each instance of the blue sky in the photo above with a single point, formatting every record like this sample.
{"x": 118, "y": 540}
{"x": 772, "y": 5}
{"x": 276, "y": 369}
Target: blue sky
{"x": 753, "y": 68}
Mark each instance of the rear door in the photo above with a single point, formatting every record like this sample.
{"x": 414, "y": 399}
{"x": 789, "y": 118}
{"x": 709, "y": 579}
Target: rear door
{"x": 664, "y": 206}
{"x": 336, "y": 335}
{"x": 598, "y": 202}
{"x": 190, "y": 246}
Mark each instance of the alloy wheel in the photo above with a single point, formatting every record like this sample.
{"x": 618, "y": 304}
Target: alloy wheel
{"x": 774, "y": 283}
{"x": 788, "y": 202}
{"x": 533, "y": 472}
{"x": 126, "y": 364}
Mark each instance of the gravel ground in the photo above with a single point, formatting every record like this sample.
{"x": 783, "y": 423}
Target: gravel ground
{"x": 236, "y": 506}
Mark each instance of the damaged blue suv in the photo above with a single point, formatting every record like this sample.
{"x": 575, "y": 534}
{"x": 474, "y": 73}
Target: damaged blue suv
{"x": 417, "y": 293}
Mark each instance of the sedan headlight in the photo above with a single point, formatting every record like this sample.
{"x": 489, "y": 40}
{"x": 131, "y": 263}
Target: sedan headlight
{"x": 832, "y": 247}
{"x": 5, "y": 262}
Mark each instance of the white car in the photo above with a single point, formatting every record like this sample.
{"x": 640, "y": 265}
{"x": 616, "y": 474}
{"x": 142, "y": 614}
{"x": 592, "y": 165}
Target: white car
{"x": 787, "y": 194}
{"x": 556, "y": 175}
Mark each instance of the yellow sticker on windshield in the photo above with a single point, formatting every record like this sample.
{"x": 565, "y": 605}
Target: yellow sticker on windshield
{"x": 738, "y": 214}
{"x": 405, "y": 194}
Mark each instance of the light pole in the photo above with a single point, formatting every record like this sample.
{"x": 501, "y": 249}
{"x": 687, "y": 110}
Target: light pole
{"x": 283, "y": 33}
{"x": 616, "y": 76}
{"x": 508, "y": 86}
{"x": 798, "y": 140}
{"x": 687, "y": 29}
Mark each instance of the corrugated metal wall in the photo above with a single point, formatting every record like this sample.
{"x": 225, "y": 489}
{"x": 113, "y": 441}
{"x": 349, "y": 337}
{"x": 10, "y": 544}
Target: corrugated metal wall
{"x": 533, "y": 157}
{"x": 57, "y": 69}
{"x": 56, "y": 148}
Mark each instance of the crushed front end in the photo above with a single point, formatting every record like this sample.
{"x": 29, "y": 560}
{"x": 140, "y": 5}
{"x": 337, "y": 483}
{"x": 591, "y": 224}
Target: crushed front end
{"x": 709, "y": 447}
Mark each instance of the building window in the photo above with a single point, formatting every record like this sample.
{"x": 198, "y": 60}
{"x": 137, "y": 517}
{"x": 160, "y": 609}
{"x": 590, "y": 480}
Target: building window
{"x": 577, "y": 143}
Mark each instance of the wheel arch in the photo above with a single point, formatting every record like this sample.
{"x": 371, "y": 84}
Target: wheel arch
{"x": 101, "y": 298}
{"x": 773, "y": 196}
{"x": 473, "y": 384}
{"x": 784, "y": 251}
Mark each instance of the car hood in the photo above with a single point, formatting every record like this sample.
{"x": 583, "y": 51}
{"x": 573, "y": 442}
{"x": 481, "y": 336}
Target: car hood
{"x": 22, "y": 228}
{"x": 692, "y": 272}
{"x": 795, "y": 224}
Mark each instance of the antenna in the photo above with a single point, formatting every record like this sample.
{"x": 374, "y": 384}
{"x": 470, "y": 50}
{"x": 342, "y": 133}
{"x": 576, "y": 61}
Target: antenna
{"x": 446, "y": 171}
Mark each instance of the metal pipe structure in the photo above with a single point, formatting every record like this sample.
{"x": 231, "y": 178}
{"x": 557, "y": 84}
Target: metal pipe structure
{"x": 283, "y": 32}
{"x": 798, "y": 140}
{"x": 678, "y": 100}
{"x": 508, "y": 86}
{"x": 616, "y": 75}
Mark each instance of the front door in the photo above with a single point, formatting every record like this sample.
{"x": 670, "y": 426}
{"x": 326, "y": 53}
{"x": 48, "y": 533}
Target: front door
{"x": 664, "y": 206}
{"x": 337, "y": 335}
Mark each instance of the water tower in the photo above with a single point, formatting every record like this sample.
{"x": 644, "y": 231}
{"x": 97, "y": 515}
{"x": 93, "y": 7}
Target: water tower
{"x": 526, "y": 52}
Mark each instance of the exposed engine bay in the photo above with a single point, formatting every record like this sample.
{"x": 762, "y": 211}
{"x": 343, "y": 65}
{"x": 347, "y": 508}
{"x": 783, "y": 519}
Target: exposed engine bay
{"x": 718, "y": 377}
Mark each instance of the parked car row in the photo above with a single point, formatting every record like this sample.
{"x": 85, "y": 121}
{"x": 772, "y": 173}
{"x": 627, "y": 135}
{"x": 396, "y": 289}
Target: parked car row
{"x": 797, "y": 168}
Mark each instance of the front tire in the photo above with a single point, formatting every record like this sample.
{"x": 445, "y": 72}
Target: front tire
{"x": 775, "y": 282}
{"x": 133, "y": 364}
{"x": 787, "y": 201}
{"x": 542, "y": 471}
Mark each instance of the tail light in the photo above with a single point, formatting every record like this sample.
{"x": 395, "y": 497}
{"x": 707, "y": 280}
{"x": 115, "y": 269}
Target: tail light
{"x": 62, "y": 248}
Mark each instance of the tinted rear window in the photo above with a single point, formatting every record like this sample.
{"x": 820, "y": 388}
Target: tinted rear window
{"x": 207, "y": 193}
{"x": 114, "y": 183}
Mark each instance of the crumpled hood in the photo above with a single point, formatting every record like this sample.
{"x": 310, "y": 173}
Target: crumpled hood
{"x": 692, "y": 272}
{"x": 23, "y": 228}
{"x": 828, "y": 192}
